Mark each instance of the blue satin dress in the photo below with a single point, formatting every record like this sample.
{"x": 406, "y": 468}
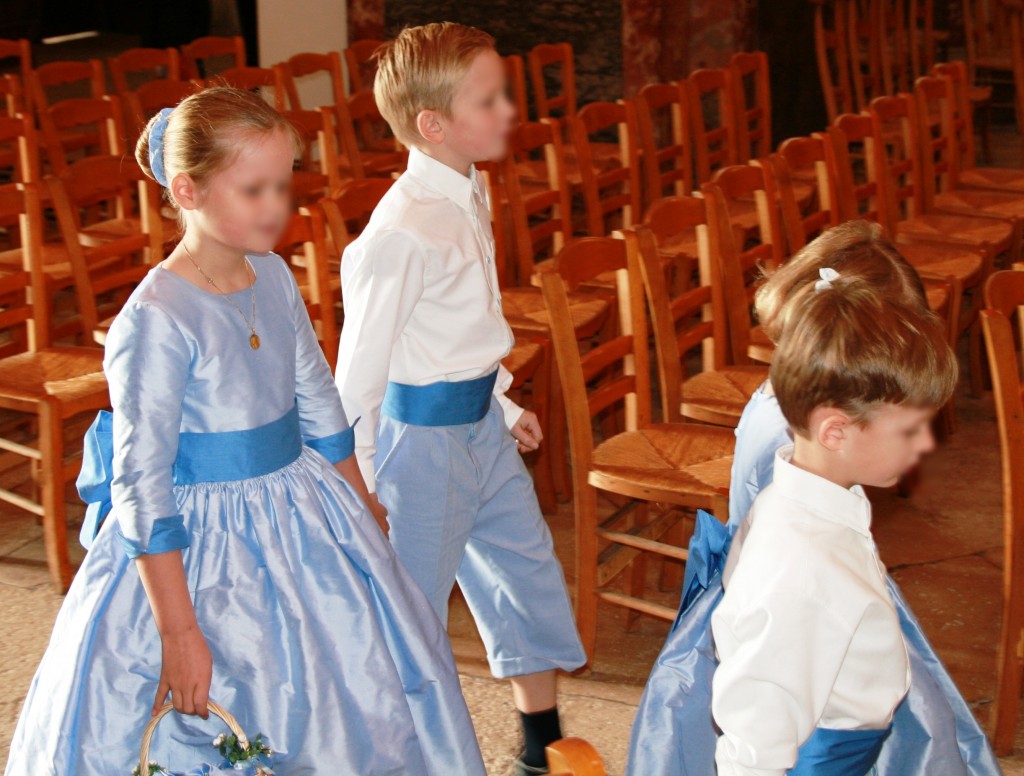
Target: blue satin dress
{"x": 320, "y": 639}
{"x": 933, "y": 731}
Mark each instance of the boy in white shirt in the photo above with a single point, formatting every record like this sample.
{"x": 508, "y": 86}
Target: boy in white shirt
{"x": 812, "y": 658}
{"x": 420, "y": 366}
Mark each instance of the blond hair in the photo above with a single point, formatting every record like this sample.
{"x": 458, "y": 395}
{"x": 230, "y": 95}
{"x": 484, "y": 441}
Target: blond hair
{"x": 847, "y": 347}
{"x": 203, "y": 132}
{"x": 421, "y": 70}
{"x": 858, "y": 252}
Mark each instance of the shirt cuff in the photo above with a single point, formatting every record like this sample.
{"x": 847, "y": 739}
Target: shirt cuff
{"x": 336, "y": 447}
{"x": 509, "y": 408}
{"x": 167, "y": 534}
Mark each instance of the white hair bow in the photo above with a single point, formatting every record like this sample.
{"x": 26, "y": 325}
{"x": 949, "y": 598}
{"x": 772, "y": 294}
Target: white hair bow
{"x": 827, "y": 275}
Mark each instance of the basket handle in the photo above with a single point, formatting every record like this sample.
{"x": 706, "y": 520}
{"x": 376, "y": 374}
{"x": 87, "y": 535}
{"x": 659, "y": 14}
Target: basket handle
{"x": 167, "y": 708}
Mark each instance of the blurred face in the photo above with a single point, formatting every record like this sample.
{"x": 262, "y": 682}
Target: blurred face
{"x": 482, "y": 115}
{"x": 888, "y": 446}
{"x": 246, "y": 205}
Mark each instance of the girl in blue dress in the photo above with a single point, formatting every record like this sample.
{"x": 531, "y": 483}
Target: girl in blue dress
{"x": 934, "y": 732}
{"x": 239, "y": 562}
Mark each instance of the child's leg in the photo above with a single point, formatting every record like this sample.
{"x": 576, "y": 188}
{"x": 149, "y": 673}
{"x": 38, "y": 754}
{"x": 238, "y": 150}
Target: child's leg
{"x": 534, "y": 692}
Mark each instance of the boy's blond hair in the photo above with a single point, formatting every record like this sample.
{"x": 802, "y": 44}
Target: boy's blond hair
{"x": 857, "y": 251}
{"x": 846, "y": 346}
{"x": 421, "y": 70}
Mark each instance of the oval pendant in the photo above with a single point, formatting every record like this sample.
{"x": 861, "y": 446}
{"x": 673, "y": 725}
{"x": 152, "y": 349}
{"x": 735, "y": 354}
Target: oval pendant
{"x": 254, "y": 342}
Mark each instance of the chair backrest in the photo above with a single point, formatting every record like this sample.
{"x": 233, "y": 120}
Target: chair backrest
{"x": 24, "y": 316}
{"x": 806, "y": 156}
{"x": 20, "y": 49}
{"x": 111, "y": 266}
{"x": 713, "y": 119}
{"x": 12, "y": 95}
{"x": 862, "y": 28}
{"x": 538, "y": 194}
{"x": 663, "y": 127}
{"x": 686, "y": 323}
{"x": 752, "y": 91}
{"x": 858, "y": 187}
{"x": 149, "y": 99}
{"x": 899, "y": 163}
{"x": 553, "y": 91}
{"x": 361, "y": 64}
{"x": 1004, "y": 300}
{"x": 963, "y": 112}
{"x": 306, "y": 64}
{"x": 254, "y": 79}
{"x": 935, "y": 97}
{"x": 306, "y": 234}
{"x": 1014, "y": 14}
{"x": 615, "y": 372}
{"x": 348, "y": 210}
{"x": 204, "y": 57}
{"x": 612, "y": 193}
{"x": 832, "y": 55}
{"x": 149, "y": 63}
{"x": 87, "y": 76}
{"x": 889, "y": 18}
{"x": 103, "y": 118}
{"x": 18, "y": 139}
{"x": 741, "y": 268}
{"x": 311, "y": 180}
{"x": 515, "y": 73}
{"x": 921, "y": 35}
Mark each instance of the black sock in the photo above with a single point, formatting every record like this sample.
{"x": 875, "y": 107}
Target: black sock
{"x": 540, "y": 728}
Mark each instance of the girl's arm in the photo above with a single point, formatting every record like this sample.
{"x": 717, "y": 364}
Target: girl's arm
{"x": 187, "y": 667}
{"x": 349, "y": 469}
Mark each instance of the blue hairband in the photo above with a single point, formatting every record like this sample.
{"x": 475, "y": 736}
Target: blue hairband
{"x": 156, "y": 146}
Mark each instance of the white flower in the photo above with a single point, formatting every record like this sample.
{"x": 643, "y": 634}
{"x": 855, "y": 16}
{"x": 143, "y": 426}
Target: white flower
{"x": 220, "y": 739}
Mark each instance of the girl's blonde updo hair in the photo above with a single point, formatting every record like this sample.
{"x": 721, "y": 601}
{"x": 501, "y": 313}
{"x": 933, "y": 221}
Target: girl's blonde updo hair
{"x": 203, "y": 132}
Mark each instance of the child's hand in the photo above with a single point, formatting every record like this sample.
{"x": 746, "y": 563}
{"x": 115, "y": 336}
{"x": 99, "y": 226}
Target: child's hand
{"x": 379, "y": 512}
{"x": 527, "y": 432}
{"x": 185, "y": 672}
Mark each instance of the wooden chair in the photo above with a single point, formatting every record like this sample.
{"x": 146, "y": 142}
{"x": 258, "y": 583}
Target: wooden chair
{"x": 361, "y": 64}
{"x": 832, "y": 55}
{"x": 19, "y": 148}
{"x": 740, "y": 267}
{"x": 346, "y": 213}
{"x": 1004, "y": 302}
{"x": 12, "y": 95}
{"x": 47, "y": 385}
{"x": 307, "y": 64}
{"x": 515, "y": 72}
{"x": 806, "y": 157}
{"x": 863, "y": 31}
{"x": 922, "y": 36}
{"x": 343, "y": 156}
{"x": 968, "y": 100}
{"x": 303, "y": 245}
{"x": 149, "y": 99}
{"x": 682, "y": 466}
{"x": 574, "y": 757}
{"x": 109, "y": 257}
{"x": 987, "y": 40}
{"x": 371, "y": 128}
{"x": 204, "y": 57}
{"x": 753, "y": 111}
{"x": 89, "y": 125}
{"x": 913, "y": 209}
{"x": 1015, "y": 17}
{"x": 891, "y": 42}
{"x": 85, "y": 77}
{"x": 663, "y": 130}
{"x": 559, "y": 57}
{"x": 20, "y": 49}
{"x": 710, "y": 94}
{"x": 613, "y": 194}
{"x": 690, "y": 324}
{"x": 254, "y": 79}
{"x": 143, "y": 64}
{"x": 311, "y": 179}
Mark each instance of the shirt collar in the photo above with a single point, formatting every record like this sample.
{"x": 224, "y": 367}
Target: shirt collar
{"x": 824, "y": 498}
{"x": 444, "y": 180}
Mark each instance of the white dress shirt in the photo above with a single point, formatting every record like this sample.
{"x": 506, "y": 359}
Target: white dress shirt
{"x": 806, "y": 632}
{"x": 422, "y": 303}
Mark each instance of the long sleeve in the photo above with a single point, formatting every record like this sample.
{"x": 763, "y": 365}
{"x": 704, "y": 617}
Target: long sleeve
{"x": 509, "y": 408}
{"x": 322, "y": 420}
{"x": 147, "y": 366}
{"x": 379, "y": 301}
{"x": 780, "y": 655}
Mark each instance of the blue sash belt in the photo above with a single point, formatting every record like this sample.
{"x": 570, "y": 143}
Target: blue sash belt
{"x": 223, "y": 456}
{"x": 839, "y": 752}
{"x": 440, "y": 404}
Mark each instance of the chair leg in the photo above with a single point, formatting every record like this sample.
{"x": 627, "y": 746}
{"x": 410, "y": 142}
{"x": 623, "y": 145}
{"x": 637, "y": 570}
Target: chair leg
{"x": 558, "y": 433}
{"x": 586, "y": 565}
{"x": 1006, "y": 708}
{"x": 635, "y": 579}
{"x": 51, "y": 445}
{"x": 542, "y": 472}
{"x": 671, "y": 569}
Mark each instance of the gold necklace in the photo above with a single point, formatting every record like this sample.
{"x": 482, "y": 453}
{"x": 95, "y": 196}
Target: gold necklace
{"x": 254, "y": 338}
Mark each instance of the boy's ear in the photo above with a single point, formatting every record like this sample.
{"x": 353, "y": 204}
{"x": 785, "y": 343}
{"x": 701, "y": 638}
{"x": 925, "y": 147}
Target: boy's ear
{"x": 184, "y": 191}
{"x": 428, "y": 124}
{"x": 832, "y": 427}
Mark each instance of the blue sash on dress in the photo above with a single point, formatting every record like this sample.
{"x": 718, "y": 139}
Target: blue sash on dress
{"x": 831, "y": 752}
{"x": 440, "y": 404}
{"x": 225, "y": 456}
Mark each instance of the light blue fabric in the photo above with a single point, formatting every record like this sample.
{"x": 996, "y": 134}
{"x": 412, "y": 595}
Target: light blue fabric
{"x": 156, "y": 146}
{"x": 462, "y": 507}
{"x": 439, "y": 404}
{"x": 934, "y": 732}
{"x": 320, "y": 638}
